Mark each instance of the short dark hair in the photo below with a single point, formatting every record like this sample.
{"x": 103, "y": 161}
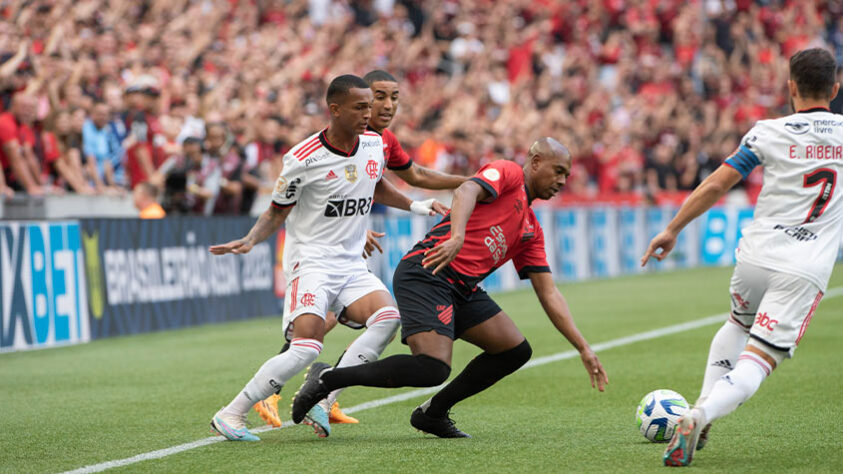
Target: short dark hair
{"x": 378, "y": 75}
{"x": 340, "y": 86}
{"x": 814, "y": 72}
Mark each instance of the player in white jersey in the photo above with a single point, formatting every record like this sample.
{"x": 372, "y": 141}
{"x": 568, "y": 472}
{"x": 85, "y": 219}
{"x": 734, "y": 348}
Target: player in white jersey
{"x": 786, "y": 255}
{"x": 384, "y": 107}
{"x": 324, "y": 193}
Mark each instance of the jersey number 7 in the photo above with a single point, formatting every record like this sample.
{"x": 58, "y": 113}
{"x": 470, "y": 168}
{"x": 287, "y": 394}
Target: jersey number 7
{"x": 828, "y": 178}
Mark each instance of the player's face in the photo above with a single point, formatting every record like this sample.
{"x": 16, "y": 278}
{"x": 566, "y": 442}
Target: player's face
{"x": 385, "y": 105}
{"x": 550, "y": 175}
{"x": 353, "y": 114}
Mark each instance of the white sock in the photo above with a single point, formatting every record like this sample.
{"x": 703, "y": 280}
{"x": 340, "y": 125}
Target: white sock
{"x": 380, "y": 327}
{"x": 736, "y": 387}
{"x": 274, "y": 373}
{"x": 726, "y": 346}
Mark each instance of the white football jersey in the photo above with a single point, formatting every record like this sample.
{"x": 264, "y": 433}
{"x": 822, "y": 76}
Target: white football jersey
{"x": 798, "y": 219}
{"x": 332, "y": 191}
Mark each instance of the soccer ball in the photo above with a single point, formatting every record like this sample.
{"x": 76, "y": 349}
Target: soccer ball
{"x": 658, "y": 413}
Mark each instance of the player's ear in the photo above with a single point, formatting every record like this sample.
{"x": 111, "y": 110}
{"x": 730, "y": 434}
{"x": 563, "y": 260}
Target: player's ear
{"x": 334, "y": 109}
{"x": 791, "y": 86}
{"x": 834, "y": 90}
{"x": 535, "y": 162}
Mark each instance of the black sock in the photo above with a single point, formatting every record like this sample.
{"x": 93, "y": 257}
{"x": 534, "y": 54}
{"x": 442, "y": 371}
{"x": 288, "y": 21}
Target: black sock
{"x": 481, "y": 373}
{"x": 402, "y": 370}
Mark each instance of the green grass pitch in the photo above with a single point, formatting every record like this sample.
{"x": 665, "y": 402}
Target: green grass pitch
{"x": 67, "y": 408}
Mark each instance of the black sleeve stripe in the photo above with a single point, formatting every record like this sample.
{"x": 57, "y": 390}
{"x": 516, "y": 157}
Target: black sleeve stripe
{"x": 486, "y": 186}
{"x": 524, "y": 273}
{"x": 405, "y": 166}
{"x": 283, "y": 206}
{"x": 778, "y": 348}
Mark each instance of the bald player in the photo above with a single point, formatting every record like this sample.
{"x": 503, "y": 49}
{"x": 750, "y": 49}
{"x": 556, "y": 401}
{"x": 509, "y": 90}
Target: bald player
{"x": 439, "y": 300}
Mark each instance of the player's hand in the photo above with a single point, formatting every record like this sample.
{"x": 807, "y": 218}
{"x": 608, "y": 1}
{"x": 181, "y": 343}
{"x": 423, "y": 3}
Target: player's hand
{"x": 440, "y": 208}
{"x": 372, "y": 243}
{"x": 664, "y": 241}
{"x": 440, "y": 256}
{"x": 235, "y": 246}
{"x": 595, "y": 369}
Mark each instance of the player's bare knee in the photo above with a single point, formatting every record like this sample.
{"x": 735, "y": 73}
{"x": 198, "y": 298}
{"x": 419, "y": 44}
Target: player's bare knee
{"x": 309, "y": 326}
{"x": 432, "y": 344}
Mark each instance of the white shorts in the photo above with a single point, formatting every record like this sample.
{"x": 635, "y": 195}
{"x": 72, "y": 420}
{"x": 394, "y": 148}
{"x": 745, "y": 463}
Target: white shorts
{"x": 774, "y": 307}
{"x": 319, "y": 292}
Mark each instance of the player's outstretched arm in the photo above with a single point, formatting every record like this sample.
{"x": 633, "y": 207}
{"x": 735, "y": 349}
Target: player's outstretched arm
{"x": 557, "y": 310}
{"x": 426, "y": 178}
{"x": 388, "y": 195}
{"x": 267, "y": 224}
{"x": 465, "y": 198}
{"x": 711, "y": 190}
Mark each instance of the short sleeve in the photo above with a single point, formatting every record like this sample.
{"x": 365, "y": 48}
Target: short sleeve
{"x": 288, "y": 186}
{"x": 532, "y": 258}
{"x": 499, "y": 177}
{"x": 396, "y": 157}
{"x": 748, "y": 155}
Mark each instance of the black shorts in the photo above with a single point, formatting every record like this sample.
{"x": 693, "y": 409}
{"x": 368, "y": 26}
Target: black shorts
{"x": 429, "y": 302}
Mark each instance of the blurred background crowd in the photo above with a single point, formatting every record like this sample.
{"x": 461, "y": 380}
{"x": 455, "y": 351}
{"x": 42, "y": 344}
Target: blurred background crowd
{"x": 200, "y": 99}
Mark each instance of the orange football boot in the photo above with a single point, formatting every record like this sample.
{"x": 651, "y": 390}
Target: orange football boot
{"x": 268, "y": 410}
{"x": 337, "y": 416}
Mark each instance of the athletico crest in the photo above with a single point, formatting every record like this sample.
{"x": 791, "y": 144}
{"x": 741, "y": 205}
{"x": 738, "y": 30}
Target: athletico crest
{"x": 351, "y": 173}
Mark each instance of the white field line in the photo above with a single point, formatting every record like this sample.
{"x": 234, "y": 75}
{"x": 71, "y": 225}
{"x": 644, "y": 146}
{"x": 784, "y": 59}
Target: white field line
{"x": 601, "y": 346}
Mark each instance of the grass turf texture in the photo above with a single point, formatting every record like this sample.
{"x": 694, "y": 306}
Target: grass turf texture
{"x": 71, "y": 407}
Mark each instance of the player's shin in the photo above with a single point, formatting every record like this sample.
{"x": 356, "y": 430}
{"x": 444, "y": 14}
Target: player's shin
{"x": 726, "y": 346}
{"x": 736, "y": 387}
{"x": 481, "y": 373}
{"x": 400, "y": 370}
{"x": 275, "y": 372}
{"x": 380, "y": 329}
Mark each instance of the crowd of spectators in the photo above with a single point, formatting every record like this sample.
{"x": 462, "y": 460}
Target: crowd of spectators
{"x": 200, "y": 99}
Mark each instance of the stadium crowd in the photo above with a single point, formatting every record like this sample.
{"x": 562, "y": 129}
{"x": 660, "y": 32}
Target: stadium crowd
{"x": 201, "y": 98}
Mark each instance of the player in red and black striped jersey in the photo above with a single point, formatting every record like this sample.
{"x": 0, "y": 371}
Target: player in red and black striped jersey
{"x": 439, "y": 300}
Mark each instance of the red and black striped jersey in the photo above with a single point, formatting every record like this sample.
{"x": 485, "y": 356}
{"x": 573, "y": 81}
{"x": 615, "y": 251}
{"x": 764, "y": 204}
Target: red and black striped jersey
{"x": 502, "y": 228}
